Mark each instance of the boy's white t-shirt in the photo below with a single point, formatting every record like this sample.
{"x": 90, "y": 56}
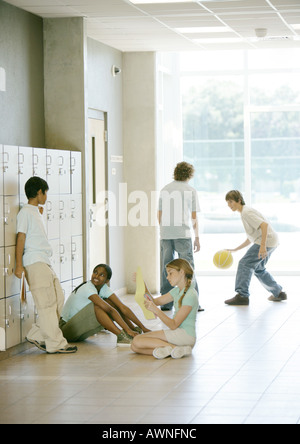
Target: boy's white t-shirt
{"x": 177, "y": 201}
{"x": 37, "y": 248}
{"x": 252, "y": 220}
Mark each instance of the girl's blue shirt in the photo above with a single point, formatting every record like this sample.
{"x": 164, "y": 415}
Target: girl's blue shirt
{"x": 191, "y": 299}
{"x": 77, "y": 301}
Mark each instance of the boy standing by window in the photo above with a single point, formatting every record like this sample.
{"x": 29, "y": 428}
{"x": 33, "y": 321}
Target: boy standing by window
{"x": 33, "y": 253}
{"x": 265, "y": 241}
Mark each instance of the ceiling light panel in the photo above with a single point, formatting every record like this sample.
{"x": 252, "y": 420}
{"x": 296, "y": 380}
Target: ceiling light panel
{"x": 172, "y": 9}
{"x": 204, "y": 30}
{"x": 143, "y": 2}
{"x": 237, "y": 6}
{"x": 285, "y": 4}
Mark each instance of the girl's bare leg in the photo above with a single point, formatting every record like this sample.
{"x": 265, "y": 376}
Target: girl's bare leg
{"x": 126, "y": 313}
{"x": 145, "y": 344}
{"x": 106, "y": 321}
{"x": 107, "y": 314}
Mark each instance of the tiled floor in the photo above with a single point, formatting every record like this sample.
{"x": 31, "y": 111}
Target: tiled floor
{"x": 244, "y": 369}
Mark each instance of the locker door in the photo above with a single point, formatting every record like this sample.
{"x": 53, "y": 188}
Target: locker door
{"x": 2, "y": 324}
{"x": 65, "y": 237}
{"x": 65, "y": 259}
{"x": 1, "y": 170}
{"x": 10, "y": 170}
{"x": 52, "y": 210}
{"x": 25, "y": 167}
{"x": 52, "y": 169}
{"x": 11, "y": 209}
{"x": 1, "y": 222}
{"x": 65, "y": 216}
{"x": 76, "y": 214}
{"x": 76, "y": 172}
{"x": 64, "y": 159}
{"x": 77, "y": 259}
{"x": 12, "y": 283}
{"x": 40, "y": 162}
{"x": 13, "y": 324}
{"x": 2, "y": 272}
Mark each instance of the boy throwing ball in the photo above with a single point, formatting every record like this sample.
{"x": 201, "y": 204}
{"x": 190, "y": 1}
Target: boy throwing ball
{"x": 265, "y": 241}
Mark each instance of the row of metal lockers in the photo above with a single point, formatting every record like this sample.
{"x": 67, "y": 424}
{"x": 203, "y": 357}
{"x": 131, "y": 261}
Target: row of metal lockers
{"x": 63, "y": 221}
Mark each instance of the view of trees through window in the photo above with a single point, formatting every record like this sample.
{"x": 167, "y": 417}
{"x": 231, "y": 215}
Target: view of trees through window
{"x": 241, "y": 130}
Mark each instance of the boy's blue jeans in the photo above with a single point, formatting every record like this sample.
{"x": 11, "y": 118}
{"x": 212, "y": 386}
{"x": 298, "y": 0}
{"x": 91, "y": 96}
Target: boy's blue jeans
{"x": 251, "y": 264}
{"x": 168, "y": 247}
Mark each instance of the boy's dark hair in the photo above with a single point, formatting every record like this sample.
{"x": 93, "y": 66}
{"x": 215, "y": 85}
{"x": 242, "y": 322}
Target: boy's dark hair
{"x": 33, "y": 185}
{"x": 236, "y": 196}
{"x": 184, "y": 171}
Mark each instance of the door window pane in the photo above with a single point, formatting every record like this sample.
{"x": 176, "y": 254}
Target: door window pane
{"x": 213, "y": 128}
{"x": 275, "y": 166}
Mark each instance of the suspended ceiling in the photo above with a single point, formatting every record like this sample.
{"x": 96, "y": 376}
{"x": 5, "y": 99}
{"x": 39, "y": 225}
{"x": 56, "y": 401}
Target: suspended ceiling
{"x": 188, "y": 25}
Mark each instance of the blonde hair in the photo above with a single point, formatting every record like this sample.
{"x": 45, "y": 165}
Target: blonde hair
{"x": 182, "y": 264}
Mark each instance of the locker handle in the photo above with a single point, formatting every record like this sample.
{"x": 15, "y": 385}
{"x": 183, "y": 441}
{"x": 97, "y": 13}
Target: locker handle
{"x": 35, "y": 159}
{"x": 48, "y": 159}
{"x": 5, "y": 161}
{"x": 6, "y": 208}
{"x": 21, "y": 158}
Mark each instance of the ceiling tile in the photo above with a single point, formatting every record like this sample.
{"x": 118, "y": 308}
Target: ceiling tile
{"x": 151, "y": 27}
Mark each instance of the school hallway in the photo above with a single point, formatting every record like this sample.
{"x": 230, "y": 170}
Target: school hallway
{"x": 244, "y": 370}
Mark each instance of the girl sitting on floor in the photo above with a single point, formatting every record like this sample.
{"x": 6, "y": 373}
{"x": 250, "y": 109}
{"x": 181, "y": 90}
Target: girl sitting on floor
{"x": 180, "y": 337}
{"x": 93, "y": 307}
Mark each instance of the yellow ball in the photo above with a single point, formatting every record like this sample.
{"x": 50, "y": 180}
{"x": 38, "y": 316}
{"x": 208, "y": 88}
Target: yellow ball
{"x": 223, "y": 259}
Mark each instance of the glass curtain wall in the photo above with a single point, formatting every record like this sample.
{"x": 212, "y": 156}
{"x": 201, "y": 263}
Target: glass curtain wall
{"x": 241, "y": 130}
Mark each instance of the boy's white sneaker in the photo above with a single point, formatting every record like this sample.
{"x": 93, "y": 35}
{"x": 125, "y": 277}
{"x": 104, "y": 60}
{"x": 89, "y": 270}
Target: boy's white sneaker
{"x": 181, "y": 351}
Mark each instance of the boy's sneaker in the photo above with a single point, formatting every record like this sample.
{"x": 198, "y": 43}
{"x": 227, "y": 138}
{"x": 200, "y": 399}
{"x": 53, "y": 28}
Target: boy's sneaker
{"x": 162, "y": 352}
{"x": 123, "y": 339}
{"x": 37, "y": 344}
{"x": 238, "y": 300}
{"x": 68, "y": 349}
{"x": 281, "y": 297}
{"x": 181, "y": 351}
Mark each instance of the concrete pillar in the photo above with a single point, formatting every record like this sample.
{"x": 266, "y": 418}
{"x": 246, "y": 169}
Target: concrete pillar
{"x": 64, "y": 73}
{"x": 139, "y": 133}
